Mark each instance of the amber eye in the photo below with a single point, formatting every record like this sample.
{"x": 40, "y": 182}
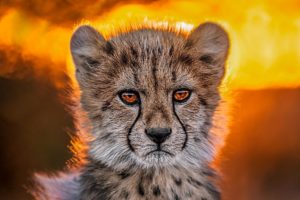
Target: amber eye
{"x": 129, "y": 97}
{"x": 181, "y": 95}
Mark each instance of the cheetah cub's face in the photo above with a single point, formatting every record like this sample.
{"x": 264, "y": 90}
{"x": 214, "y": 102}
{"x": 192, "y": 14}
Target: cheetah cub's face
{"x": 150, "y": 94}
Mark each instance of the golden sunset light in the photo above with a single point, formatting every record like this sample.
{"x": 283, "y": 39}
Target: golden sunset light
{"x": 259, "y": 158}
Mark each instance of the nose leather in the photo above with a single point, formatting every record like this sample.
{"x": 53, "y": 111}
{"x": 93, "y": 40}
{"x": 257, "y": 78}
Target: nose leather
{"x": 158, "y": 135}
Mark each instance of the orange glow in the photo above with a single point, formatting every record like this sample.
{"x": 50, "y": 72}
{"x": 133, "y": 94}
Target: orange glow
{"x": 265, "y": 35}
{"x": 260, "y": 157}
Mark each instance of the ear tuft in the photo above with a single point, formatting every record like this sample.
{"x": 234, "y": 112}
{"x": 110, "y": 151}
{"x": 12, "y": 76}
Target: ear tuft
{"x": 85, "y": 45}
{"x": 211, "y": 43}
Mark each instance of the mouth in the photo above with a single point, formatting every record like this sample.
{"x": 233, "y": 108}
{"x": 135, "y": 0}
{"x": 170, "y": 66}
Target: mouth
{"x": 159, "y": 152}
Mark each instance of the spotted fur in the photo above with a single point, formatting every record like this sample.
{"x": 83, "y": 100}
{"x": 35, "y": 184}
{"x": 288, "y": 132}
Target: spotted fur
{"x": 122, "y": 161}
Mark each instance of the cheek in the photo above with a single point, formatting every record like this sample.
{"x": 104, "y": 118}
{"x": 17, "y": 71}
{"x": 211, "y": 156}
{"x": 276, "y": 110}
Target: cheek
{"x": 119, "y": 118}
{"x": 192, "y": 116}
{"x": 188, "y": 111}
{"x": 195, "y": 126}
{"x": 178, "y": 137}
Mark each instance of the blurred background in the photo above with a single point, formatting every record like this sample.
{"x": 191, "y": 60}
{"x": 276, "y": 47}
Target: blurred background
{"x": 261, "y": 156}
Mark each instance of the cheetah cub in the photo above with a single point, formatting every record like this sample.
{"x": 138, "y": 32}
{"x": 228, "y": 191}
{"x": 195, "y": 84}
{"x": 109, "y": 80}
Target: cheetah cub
{"x": 150, "y": 95}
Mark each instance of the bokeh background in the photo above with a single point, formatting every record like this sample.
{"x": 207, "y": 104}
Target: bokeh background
{"x": 261, "y": 156}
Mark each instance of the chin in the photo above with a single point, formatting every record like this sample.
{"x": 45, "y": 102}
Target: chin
{"x": 158, "y": 158}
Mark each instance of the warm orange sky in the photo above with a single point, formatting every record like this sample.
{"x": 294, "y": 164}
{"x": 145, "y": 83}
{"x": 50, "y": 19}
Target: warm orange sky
{"x": 260, "y": 159}
{"x": 265, "y": 50}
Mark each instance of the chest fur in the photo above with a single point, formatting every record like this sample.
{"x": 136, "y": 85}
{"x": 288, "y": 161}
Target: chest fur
{"x": 159, "y": 184}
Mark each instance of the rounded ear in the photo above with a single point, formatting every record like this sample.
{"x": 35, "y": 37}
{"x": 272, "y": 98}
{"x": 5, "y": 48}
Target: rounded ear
{"x": 86, "y": 43}
{"x": 211, "y": 43}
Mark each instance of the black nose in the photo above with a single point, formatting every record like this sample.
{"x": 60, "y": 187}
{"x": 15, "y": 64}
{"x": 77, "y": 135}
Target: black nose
{"x": 158, "y": 135}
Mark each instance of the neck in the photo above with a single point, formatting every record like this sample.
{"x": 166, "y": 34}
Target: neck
{"x": 101, "y": 182}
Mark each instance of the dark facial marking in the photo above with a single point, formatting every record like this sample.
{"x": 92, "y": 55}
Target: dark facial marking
{"x": 188, "y": 44}
{"x": 92, "y": 62}
{"x": 154, "y": 58}
{"x": 134, "y": 52}
{"x": 149, "y": 176}
{"x": 182, "y": 125}
{"x": 156, "y": 191}
{"x": 124, "y": 174}
{"x": 96, "y": 94}
{"x": 177, "y": 181}
{"x": 176, "y": 197}
{"x": 174, "y": 77}
{"x": 124, "y": 59}
{"x": 148, "y": 50}
{"x": 203, "y": 101}
{"x": 185, "y": 59}
{"x": 194, "y": 182}
{"x": 141, "y": 190}
{"x": 207, "y": 59}
{"x": 105, "y": 106}
{"x": 171, "y": 51}
{"x": 196, "y": 139}
{"x": 130, "y": 129}
{"x": 109, "y": 48}
{"x": 154, "y": 70}
{"x": 160, "y": 50}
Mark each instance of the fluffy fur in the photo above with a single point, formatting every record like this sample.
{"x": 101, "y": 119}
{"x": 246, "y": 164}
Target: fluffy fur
{"x": 154, "y": 63}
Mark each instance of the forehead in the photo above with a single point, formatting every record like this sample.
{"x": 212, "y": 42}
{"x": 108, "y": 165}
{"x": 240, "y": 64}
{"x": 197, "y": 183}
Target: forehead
{"x": 152, "y": 60}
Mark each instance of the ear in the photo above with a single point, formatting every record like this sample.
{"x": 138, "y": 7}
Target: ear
{"x": 86, "y": 44}
{"x": 211, "y": 43}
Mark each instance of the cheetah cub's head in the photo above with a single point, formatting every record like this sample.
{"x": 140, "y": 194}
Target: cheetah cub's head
{"x": 150, "y": 94}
